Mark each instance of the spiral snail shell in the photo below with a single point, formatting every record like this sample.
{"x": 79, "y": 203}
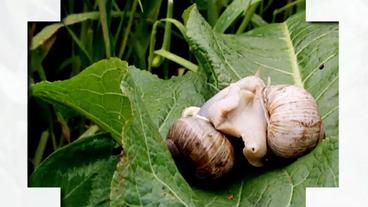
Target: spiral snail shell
{"x": 195, "y": 139}
{"x": 294, "y": 122}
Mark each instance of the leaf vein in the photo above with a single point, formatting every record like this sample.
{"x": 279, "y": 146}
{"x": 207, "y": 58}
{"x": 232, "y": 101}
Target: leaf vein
{"x": 311, "y": 41}
{"x": 293, "y": 58}
{"x": 288, "y": 176}
{"x": 317, "y": 68}
{"x": 327, "y": 87}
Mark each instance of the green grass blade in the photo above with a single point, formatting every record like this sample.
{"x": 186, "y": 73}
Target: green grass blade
{"x": 140, "y": 5}
{"x": 128, "y": 28}
{"x": 247, "y": 17}
{"x": 176, "y": 23}
{"x": 285, "y": 8}
{"x": 44, "y": 35}
{"x": 79, "y": 43}
{"x": 212, "y": 12}
{"x": 167, "y": 34}
{"x": 152, "y": 45}
{"x": 175, "y": 58}
{"x": 105, "y": 27}
{"x": 48, "y": 31}
{"x": 258, "y": 21}
{"x": 232, "y": 12}
{"x": 40, "y": 148}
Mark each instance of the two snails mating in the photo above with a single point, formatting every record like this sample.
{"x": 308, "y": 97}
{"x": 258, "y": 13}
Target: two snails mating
{"x": 281, "y": 118}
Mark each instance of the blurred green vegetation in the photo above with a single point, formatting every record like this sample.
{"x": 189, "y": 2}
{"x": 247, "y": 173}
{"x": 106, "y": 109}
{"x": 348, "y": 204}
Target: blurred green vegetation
{"x": 94, "y": 30}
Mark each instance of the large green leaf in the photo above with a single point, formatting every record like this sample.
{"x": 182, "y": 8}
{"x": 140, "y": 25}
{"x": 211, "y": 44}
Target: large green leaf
{"x": 82, "y": 169}
{"x": 164, "y": 100}
{"x": 294, "y": 52}
{"x": 95, "y": 93}
{"x": 284, "y": 186}
{"x": 148, "y": 175}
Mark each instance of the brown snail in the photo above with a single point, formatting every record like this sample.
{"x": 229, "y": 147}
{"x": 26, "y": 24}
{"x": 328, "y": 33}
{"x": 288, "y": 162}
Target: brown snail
{"x": 194, "y": 138}
{"x": 283, "y": 117}
{"x": 294, "y": 122}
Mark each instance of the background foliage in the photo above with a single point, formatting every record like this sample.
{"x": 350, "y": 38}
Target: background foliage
{"x": 136, "y": 106}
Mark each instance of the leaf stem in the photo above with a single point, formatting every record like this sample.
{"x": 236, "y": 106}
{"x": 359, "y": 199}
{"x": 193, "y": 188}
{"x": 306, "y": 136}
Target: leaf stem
{"x": 157, "y": 60}
{"x": 79, "y": 43}
{"x": 212, "y": 12}
{"x": 257, "y": 21}
{"x": 151, "y": 54}
{"x": 40, "y": 148}
{"x": 127, "y": 31}
{"x": 248, "y": 14}
{"x": 177, "y": 59}
{"x": 287, "y": 6}
{"x": 117, "y": 34}
{"x": 152, "y": 44}
{"x": 105, "y": 27}
{"x": 89, "y": 132}
{"x": 41, "y": 72}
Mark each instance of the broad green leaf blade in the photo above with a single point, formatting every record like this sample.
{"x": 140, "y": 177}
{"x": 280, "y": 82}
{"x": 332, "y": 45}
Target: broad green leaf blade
{"x": 148, "y": 175}
{"x": 283, "y": 186}
{"x": 166, "y": 99}
{"x": 83, "y": 170}
{"x": 232, "y": 12}
{"x": 137, "y": 181}
{"x": 293, "y": 52}
{"x": 95, "y": 93}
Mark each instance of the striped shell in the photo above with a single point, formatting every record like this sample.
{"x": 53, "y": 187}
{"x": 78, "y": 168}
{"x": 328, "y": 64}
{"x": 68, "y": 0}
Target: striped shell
{"x": 209, "y": 151}
{"x": 295, "y": 125}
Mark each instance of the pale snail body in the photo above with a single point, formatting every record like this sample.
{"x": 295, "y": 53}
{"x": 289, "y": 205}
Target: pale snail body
{"x": 209, "y": 151}
{"x": 239, "y": 112}
{"x": 283, "y": 118}
{"x": 294, "y": 122}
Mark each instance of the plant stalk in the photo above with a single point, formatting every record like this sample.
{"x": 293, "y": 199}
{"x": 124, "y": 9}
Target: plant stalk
{"x": 248, "y": 16}
{"x": 105, "y": 27}
{"x": 157, "y": 60}
{"x": 177, "y": 59}
{"x": 127, "y": 31}
{"x": 40, "y": 148}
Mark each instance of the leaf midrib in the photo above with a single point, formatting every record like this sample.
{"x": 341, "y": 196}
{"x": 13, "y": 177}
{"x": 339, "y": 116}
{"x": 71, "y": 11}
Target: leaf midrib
{"x": 295, "y": 70}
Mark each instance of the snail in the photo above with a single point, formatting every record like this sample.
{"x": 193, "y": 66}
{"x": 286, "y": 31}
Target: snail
{"x": 283, "y": 117}
{"x": 193, "y": 138}
{"x": 294, "y": 121}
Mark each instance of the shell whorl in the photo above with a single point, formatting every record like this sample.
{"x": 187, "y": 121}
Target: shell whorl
{"x": 295, "y": 124}
{"x": 207, "y": 149}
